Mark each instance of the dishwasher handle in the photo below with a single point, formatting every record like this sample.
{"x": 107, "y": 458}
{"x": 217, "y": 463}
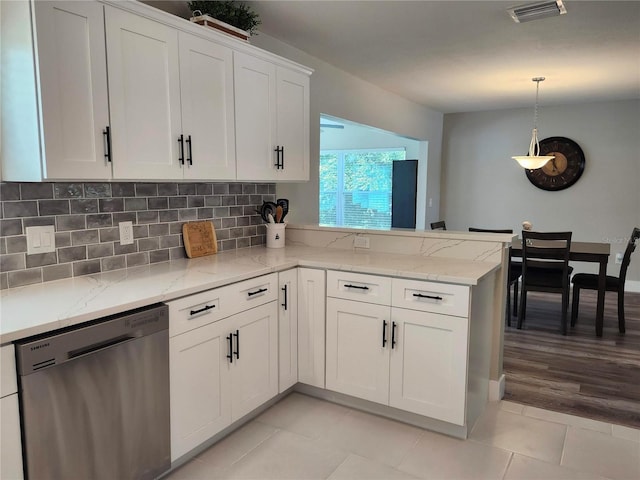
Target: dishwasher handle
{"x": 96, "y": 347}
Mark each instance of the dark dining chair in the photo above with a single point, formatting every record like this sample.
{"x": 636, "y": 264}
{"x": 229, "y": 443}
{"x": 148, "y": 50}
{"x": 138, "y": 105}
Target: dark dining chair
{"x": 589, "y": 281}
{"x": 545, "y": 268}
{"x": 515, "y": 272}
{"x": 438, "y": 225}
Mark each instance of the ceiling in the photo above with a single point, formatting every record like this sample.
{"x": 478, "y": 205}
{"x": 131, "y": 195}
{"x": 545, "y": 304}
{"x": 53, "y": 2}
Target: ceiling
{"x": 462, "y": 56}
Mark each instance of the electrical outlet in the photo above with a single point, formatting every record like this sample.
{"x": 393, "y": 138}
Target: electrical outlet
{"x": 361, "y": 242}
{"x": 619, "y": 258}
{"x": 126, "y": 233}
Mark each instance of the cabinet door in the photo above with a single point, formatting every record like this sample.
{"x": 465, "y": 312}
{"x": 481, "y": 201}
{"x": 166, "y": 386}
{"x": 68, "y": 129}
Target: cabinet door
{"x": 292, "y": 124}
{"x": 288, "y": 329}
{"x": 358, "y": 345}
{"x": 429, "y": 364}
{"x": 255, "y": 102}
{"x": 73, "y": 83}
{"x": 200, "y": 386}
{"x": 144, "y": 94}
{"x": 206, "y": 93}
{"x": 254, "y": 373}
{"x": 10, "y": 443}
{"x": 311, "y": 324}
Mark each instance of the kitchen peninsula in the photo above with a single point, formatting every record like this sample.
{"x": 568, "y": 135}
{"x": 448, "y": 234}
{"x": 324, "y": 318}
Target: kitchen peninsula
{"x": 396, "y": 274}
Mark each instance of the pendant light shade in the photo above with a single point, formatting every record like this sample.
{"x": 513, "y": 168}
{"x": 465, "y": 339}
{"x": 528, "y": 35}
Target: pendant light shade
{"x": 534, "y": 160}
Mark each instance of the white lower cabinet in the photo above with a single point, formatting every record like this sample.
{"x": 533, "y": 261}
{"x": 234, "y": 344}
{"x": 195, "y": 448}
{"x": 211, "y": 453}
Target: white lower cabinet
{"x": 428, "y": 369}
{"x": 311, "y": 325}
{"x": 411, "y": 359}
{"x": 357, "y": 352}
{"x": 223, "y": 350}
{"x": 288, "y": 329}
{"x": 10, "y": 439}
{"x": 254, "y": 371}
{"x": 10, "y": 445}
{"x": 200, "y": 386}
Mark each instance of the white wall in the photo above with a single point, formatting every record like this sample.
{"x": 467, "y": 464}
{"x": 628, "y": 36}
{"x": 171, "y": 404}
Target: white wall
{"x": 339, "y": 94}
{"x": 483, "y": 187}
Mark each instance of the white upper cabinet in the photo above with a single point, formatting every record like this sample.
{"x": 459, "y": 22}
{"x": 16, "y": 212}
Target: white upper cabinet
{"x": 63, "y": 89}
{"x": 272, "y": 120}
{"x": 206, "y": 93}
{"x": 123, "y": 91}
{"x": 292, "y": 126}
{"x": 144, "y": 92}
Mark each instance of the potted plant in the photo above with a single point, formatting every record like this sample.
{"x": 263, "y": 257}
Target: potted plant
{"x": 232, "y": 17}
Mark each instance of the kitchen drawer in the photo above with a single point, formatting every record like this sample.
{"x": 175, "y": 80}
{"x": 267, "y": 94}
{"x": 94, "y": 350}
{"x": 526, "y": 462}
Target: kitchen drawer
{"x": 359, "y": 287}
{"x": 242, "y": 296}
{"x": 212, "y": 305}
{"x": 8, "y": 370}
{"x": 431, "y": 297}
{"x": 196, "y": 310}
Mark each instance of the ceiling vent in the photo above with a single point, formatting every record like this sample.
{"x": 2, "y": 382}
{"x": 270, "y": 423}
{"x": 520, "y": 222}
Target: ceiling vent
{"x": 535, "y": 11}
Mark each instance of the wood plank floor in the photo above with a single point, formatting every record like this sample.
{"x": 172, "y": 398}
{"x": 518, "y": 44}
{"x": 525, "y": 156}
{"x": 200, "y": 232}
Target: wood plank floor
{"x": 578, "y": 374}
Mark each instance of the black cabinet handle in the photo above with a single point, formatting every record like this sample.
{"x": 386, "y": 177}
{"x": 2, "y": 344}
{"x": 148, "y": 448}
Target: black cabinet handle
{"x": 189, "y": 152}
{"x": 279, "y": 157}
{"x": 230, "y": 356}
{"x": 251, "y": 294}
{"x": 348, "y": 285}
{"x": 107, "y": 147}
{"x": 419, "y": 295}
{"x": 203, "y": 309}
{"x": 181, "y": 142}
{"x": 237, "y": 335}
{"x": 384, "y": 333}
{"x": 393, "y": 334}
{"x": 284, "y": 289}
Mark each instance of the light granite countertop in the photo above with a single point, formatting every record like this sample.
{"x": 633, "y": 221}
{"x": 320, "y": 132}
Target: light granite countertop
{"x": 36, "y": 309}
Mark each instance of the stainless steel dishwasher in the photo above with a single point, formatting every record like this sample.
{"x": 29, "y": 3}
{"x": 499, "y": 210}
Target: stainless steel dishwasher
{"x": 95, "y": 399}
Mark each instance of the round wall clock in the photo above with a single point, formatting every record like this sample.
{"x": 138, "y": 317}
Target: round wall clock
{"x": 561, "y": 172}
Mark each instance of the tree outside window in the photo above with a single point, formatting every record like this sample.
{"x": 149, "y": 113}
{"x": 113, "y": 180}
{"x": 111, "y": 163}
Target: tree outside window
{"x": 355, "y": 187}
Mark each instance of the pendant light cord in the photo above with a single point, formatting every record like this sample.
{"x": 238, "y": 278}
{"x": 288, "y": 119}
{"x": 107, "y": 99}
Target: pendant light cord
{"x": 534, "y": 146}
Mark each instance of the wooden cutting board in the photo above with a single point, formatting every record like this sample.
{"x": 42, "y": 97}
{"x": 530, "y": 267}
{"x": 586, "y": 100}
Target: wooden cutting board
{"x": 199, "y": 239}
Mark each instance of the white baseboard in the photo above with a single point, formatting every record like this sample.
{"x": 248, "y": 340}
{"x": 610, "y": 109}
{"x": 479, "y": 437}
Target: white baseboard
{"x": 632, "y": 286}
{"x": 496, "y": 389}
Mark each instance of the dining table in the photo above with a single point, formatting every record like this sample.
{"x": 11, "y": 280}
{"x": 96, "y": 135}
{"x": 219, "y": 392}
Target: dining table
{"x": 584, "y": 252}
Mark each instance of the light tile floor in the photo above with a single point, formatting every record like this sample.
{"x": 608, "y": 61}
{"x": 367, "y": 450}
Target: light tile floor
{"x": 305, "y": 438}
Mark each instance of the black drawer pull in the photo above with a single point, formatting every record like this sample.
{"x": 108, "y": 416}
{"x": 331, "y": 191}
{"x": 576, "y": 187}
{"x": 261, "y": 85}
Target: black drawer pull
{"x": 230, "y": 356}
{"x": 393, "y": 334}
{"x": 203, "y": 309}
{"x": 284, "y": 289}
{"x": 348, "y": 285}
{"x": 419, "y": 295}
{"x": 384, "y": 333}
{"x": 261, "y": 290}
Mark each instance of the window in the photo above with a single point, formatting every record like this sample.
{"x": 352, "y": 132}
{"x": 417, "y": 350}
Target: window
{"x": 355, "y": 187}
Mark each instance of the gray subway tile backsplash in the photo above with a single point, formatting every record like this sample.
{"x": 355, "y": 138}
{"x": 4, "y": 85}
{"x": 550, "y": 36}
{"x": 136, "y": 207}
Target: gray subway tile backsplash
{"x": 35, "y": 191}
{"x": 86, "y": 217}
{"x": 24, "y": 277}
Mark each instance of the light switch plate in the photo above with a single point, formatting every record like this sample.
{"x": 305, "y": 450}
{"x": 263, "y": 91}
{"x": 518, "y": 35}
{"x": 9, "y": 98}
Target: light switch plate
{"x": 41, "y": 239}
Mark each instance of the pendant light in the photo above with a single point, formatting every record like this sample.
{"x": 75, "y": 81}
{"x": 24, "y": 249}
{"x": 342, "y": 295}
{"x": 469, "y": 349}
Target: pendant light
{"x": 534, "y": 160}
